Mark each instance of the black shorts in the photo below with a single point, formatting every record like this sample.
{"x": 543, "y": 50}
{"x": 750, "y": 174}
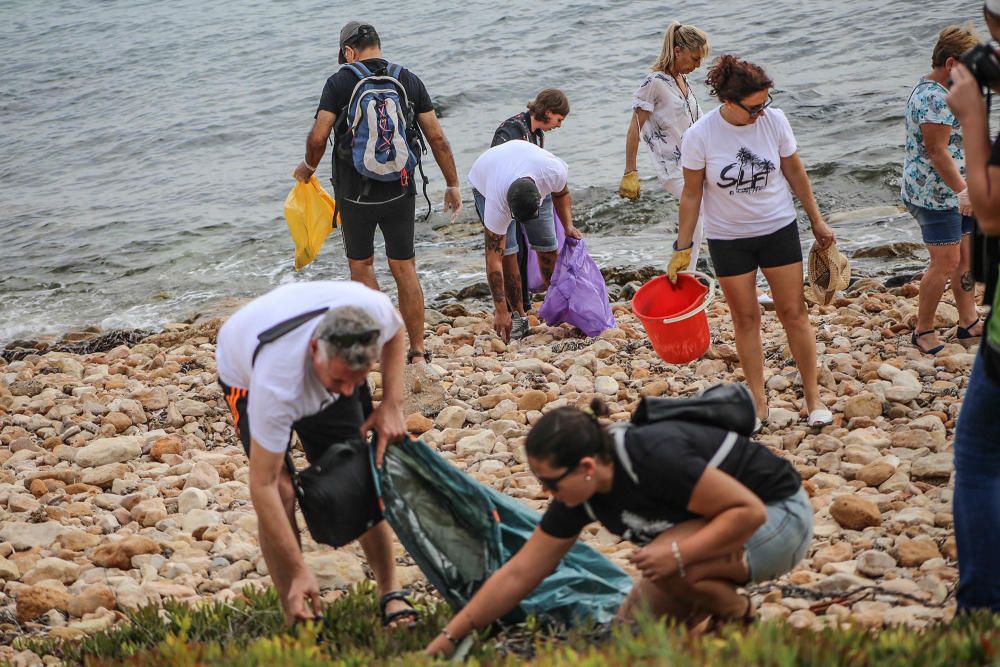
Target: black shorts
{"x": 395, "y": 218}
{"x": 338, "y": 422}
{"x": 734, "y": 257}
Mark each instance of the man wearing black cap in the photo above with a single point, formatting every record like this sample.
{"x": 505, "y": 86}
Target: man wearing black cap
{"x": 509, "y": 182}
{"x": 364, "y": 204}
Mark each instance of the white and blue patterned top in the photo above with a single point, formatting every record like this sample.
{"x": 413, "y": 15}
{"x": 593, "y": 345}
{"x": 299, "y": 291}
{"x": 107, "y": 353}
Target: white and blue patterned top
{"x": 922, "y": 184}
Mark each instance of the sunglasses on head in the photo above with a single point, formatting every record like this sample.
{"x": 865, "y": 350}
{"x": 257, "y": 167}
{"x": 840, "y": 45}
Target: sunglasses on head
{"x": 552, "y": 483}
{"x": 757, "y": 109}
{"x": 346, "y": 340}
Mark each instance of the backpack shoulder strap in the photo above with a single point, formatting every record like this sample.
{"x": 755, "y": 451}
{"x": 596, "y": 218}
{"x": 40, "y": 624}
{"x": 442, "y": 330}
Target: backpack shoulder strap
{"x": 618, "y": 432}
{"x": 723, "y": 451}
{"x": 359, "y": 68}
{"x": 394, "y": 70}
{"x": 282, "y": 328}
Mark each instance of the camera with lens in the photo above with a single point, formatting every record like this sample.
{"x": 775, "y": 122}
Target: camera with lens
{"x": 982, "y": 61}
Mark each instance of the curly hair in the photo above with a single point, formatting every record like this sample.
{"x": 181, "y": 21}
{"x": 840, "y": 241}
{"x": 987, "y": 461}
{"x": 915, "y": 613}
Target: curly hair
{"x": 731, "y": 79}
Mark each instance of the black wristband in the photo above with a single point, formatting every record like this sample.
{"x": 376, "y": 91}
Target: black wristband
{"x": 676, "y": 249}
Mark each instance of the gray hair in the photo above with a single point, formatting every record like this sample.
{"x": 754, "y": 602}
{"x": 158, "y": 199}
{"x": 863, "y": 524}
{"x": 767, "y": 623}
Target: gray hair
{"x": 347, "y": 321}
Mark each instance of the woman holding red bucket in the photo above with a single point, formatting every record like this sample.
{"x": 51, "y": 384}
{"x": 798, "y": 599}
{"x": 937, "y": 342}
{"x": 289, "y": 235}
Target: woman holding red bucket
{"x": 741, "y": 167}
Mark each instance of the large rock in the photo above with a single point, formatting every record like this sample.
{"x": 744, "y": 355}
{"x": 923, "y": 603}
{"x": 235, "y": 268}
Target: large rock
{"x": 334, "y": 569}
{"x": 109, "y": 450}
{"x": 481, "y": 443}
{"x": 452, "y": 416}
{"x": 418, "y": 424}
{"x": 90, "y": 599}
{"x": 872, "y": 563}
{"x": 191, "y": 408}
{"x": 913, "y": 553}
{"x": 52, "y": 568}
{"x": 865, "y": 404}
{"x": 203, "y": 475}
{"x": 24, "y": 536}
{"x": 119, "y": 554}
{"x": 149, "y": 512}
{"x": 171, "y": 444}
{"x": 191, "y": 499}
{"x": 932, "y": 466}
{"x": 533, "y": 399}
{"x": 835, "y": 553}
{"x": 875, "y": 473}
{"x": 104, "y": 476}
{"x": 33, "y": 601}
{"x": 855, "y": 513}
{"x": 195, "y": 519}
{"x": 9, "y": 570}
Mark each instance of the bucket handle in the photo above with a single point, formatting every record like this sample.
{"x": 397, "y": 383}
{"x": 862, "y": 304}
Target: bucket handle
{"x": 704, "y": 304}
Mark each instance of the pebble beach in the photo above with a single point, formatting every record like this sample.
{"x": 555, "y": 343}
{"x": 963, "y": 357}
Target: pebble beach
{"x": 122, "y": 481}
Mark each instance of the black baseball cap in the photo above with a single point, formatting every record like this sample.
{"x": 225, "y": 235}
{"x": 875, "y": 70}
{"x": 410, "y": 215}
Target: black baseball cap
{"x": 523, "y": 199}
{"x": 350, "y": 32}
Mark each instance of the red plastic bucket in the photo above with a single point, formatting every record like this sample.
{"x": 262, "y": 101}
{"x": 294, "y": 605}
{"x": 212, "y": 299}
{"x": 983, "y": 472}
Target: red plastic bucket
{"x": 674, "y": 315}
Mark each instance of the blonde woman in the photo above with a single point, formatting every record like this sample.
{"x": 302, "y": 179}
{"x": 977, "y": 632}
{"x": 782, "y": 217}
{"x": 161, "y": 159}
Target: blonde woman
{"x": 664, "y": 106}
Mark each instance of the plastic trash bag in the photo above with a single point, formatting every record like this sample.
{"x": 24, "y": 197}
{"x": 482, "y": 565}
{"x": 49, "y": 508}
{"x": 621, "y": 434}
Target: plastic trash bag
{"x": 309, "y": 214}
{"x": 459, "y": 532}
{"x": 535, "y": 281}
{"x": 577, "y": 294}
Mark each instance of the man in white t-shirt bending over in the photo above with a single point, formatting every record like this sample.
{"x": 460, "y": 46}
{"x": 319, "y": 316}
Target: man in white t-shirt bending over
{"x": 298, "y": 359}
{"x": 509, "y": 182}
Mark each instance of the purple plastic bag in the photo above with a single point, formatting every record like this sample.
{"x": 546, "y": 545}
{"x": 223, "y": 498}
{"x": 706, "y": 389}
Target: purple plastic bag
{"x": 535, "y": 281}
{"x": 577, "y": 294}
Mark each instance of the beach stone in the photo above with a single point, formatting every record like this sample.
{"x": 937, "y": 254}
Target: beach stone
{"x": 52, "y": 568}
{"x": 932, "y": 466}
{"x": 840, "y": 582}
{"x": 875, "y": 473}
{"x": 801, "y": 619}
{"x": 481, "y": 443}
{"x": 423, "y": 390}
{"x": 835, "y": 553}
{"x": 78, "y": 540}
{"x": 912, "y": 553}
{"x": 28, "y": 388}
{"x": 90, "y": 599}
{"x": 452, "y": 416}
{"x": 203, "y": 475}
{"x": 109, "y": 450}
{"x": 33, "y": 601}
{"x": 533, "y": 399}
{"x": 24, "y": 536}
{"x": 417, "y": 424}
{"x": 170, "y": 444}
{"x": 149, "y": 512}
{"x": 913, "y": 439}
{"x": 655, "y": 388}
{"x": 118, "y": 420}
{"x": 865, "y": 404}
{"x": 191, "y": 499}
{"x": 9, "y": 570}
{"x": 874, "y": 564}
{"x": 781, "y": 418}
{"x": 606, "y": 385}
{"x": 855, "y": 513}
{"x": 196, "y": 519}
{"x": 191, "y": 408}
{"x": 104, "y": 476}
{"x": 119, "y": 554}
{"x": 334, "y": 569}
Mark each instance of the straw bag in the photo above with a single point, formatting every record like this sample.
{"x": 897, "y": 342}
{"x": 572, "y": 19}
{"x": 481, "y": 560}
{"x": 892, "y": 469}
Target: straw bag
{"x": 829, "y": 272}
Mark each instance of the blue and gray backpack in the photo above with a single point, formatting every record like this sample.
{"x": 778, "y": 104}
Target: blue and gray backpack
{"x": 380, "y": 129}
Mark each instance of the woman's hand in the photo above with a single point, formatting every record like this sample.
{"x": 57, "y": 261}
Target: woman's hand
{"x": 440, "y": 646}
{"x": 655, "y": 561}
{"x": 629, "y": 186}
{"x": 823, "y": 234}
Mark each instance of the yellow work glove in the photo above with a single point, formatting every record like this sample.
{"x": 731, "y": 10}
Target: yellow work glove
{"x": 629, "y": 187}
{"x": 678, "y": 262}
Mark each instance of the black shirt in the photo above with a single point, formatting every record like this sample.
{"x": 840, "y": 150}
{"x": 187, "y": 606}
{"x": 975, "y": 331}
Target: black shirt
{"x": 668, "y": 459}
{"x": 518, "y": 127}
{"x": 336, "y": 95}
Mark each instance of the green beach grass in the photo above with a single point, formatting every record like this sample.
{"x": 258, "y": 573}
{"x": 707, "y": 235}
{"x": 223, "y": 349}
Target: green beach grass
{"x": 250, "y": 632}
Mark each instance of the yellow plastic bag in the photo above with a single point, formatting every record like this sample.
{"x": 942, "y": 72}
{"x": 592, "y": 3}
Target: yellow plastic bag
{"x": 309, "y": 214}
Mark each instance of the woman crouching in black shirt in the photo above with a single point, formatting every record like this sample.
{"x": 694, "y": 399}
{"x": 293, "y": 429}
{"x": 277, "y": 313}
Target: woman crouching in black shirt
{"x": 709, "y": 509}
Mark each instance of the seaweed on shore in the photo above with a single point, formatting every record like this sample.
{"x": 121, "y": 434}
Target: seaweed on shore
{"x": 19, "y": 349}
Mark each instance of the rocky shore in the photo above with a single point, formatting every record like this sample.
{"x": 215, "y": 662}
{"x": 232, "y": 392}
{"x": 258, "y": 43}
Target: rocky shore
{"x": 122, "y": 482}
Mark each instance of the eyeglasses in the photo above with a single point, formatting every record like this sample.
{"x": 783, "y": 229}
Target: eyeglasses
{"x": 758, "y": 109}
{"x": 552, "y": 483}
{"x": 346, "y": 340}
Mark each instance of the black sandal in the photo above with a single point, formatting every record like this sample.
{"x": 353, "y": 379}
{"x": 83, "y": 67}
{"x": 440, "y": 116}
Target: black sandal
{"x": 918, "y": 334}
{"x": 966, "y": 337}
{"x": 413, "y": 354}
{"x": 389, "y": 619}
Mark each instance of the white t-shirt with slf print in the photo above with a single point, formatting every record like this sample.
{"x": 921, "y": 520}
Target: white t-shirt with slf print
{"x": 745, "y": 194}
{"x": 497, "y": 168}
{"x": 282, "y": 387}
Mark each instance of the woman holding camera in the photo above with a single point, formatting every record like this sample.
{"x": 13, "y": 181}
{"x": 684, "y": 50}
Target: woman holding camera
{"x": 664, "y": 107}
{"x": 935, "y": 193}
{"x": 709, "y": 510}
{"x": 741, "y": 166}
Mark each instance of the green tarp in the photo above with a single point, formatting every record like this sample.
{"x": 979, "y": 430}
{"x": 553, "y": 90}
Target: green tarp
{"x": 459, "y": 532}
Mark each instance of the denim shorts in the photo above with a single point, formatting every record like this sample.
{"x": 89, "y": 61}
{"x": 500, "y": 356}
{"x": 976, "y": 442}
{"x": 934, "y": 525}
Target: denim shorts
{"x": 945, "y": 227}
{"x": 541, "y": 230}
{"x": 783, "y": 540}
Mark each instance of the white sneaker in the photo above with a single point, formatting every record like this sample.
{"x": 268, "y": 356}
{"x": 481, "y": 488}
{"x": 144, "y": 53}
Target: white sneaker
{"x": 519, "y": 326}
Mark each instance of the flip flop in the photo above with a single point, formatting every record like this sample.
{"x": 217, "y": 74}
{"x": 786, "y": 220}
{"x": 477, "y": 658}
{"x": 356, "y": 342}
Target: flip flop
{"x": 820, "y": 418}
